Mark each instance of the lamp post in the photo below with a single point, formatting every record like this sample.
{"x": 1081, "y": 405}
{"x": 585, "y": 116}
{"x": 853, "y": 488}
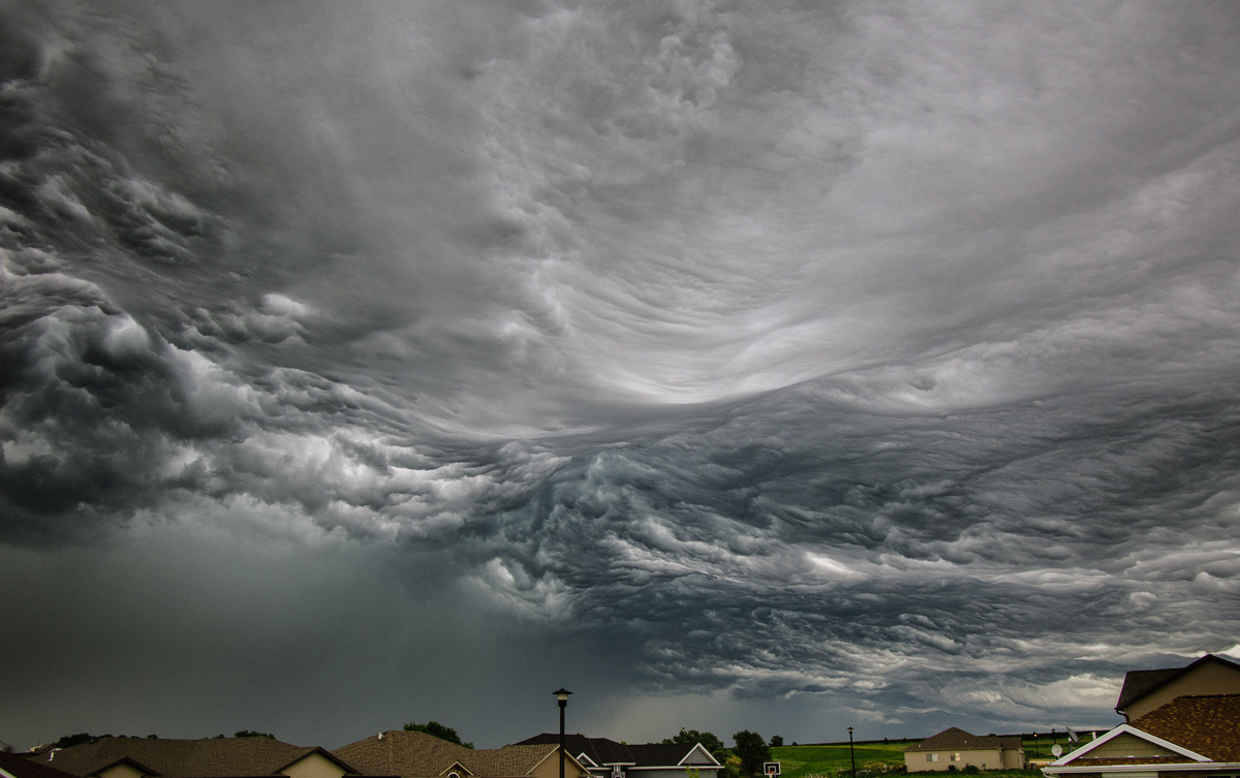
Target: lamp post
{"x": 561, "y": 696}
{"x": 851, "y": 758}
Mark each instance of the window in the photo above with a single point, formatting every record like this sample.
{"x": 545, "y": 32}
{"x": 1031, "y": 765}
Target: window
{"x": 956, "y": 757}
{"x": 934, "y": 757}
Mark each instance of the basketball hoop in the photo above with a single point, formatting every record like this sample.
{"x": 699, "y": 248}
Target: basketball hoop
{"x": 770, "y": 769}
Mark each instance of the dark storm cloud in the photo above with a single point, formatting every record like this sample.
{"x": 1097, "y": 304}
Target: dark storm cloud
{"x": 874, "y": 364}
{"x": 892, "y": 556}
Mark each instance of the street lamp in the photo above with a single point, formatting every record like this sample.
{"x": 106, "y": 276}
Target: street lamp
{"x": 851, "y": 758}
{"x": 561, "y": 696}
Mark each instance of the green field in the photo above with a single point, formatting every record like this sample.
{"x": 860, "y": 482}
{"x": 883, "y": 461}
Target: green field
{"x": 872, "y": 759}
{"x": 804, "y": 761}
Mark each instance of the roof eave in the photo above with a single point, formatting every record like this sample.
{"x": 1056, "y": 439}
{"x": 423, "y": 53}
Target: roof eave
{"x": 1143, "y": 767}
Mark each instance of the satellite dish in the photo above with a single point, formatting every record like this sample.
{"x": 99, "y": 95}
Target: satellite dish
{"x": 1057, "y": 750}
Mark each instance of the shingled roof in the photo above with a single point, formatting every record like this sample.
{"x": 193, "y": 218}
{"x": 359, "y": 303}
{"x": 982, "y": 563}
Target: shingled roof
{"x": 956, "y": 738}
{"x": 1139, "y": 683}
{"x": 419, "y": 755}
{"x": 1186, "y": 730}
{"x": 25, "y": 767}
{"x": 1208, "y": 724}
{"x": 600, "y": 750}
{"x": 507, "y": 762}
{"x": 228, "y": 757}
{"x": 402, "y": 753}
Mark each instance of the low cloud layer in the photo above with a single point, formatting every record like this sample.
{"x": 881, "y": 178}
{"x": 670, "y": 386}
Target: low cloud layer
{"x": 735, "y": 365}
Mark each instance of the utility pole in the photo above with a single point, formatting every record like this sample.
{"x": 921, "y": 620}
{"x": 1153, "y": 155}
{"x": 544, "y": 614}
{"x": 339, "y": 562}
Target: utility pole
{"x": 851, "y": 758}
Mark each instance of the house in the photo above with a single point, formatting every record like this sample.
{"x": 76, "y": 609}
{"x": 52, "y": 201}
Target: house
{"x": 419, "y": 755}
{"x": 246, "y": 757}
{"x": 605, "y": 758}
{"x": 1147, "y": 690}
{"x": 1193, "y": 736}
{"x": 955, "y": 748}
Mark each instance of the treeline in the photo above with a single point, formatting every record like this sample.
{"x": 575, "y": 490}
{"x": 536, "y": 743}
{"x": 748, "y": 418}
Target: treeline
{"x": 80, "y": 738}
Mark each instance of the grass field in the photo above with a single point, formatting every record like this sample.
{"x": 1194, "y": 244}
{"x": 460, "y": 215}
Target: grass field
{"x": 872, "y": 759}
{"x": 804, "y": 761}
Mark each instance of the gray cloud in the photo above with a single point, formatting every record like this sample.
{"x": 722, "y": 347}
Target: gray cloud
{"x": 872, "y": 365}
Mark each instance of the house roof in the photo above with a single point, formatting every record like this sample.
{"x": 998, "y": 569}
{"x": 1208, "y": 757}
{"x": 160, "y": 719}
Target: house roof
{"x": 1208, "y": 724}
{"x": 25, "y": 767}
{"x": 507, "y": 761}
{"x": 1140, "y": 683}
{"x": 652, "y": 754}
{"x": 956, "y": 738}
{"x": 419, "y": 755}
{"x": 402, "y": 753}
{"x": 604, "y": 751}
{"x": 1195, "y": 731}
{"x": 229, "y": 757}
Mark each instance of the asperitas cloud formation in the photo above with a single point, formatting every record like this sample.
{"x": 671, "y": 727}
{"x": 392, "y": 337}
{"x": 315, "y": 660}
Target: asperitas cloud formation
{"x": 775, "y": 365}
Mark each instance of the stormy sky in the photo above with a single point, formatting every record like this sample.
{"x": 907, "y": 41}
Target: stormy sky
{"x": 774, "y": 365}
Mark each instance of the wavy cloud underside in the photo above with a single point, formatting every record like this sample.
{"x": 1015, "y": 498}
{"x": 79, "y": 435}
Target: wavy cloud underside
{"x": 868, "y": 364}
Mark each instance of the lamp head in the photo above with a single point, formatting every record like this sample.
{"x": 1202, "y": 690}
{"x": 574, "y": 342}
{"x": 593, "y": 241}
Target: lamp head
{"x": 562, "y": 694}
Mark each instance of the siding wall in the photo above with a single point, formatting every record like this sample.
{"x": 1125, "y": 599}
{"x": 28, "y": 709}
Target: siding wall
{"x": 983, "y": 759}
{"x": 1013, "y": 759}
{"x": 120, "y": 771}
{"x": 1127, "y": 745}
{"x": 314, "y": 766}
{"x": 550, "y": 768}
{"x": 1209, "y": 678}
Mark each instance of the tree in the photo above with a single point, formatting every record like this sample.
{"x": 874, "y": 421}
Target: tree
{"x": 438, "y": 730}
{"x": 709, "y": 741}
{"x": 777, "y": 741}
{"x": 752, "y": 750}
{"x": 253, "y": 733}
{"x": 77, "y": 739}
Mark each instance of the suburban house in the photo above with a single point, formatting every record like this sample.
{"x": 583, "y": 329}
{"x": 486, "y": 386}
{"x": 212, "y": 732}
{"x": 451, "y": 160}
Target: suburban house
{"x": 231, "y": 757}
{"x": 1147, "y": 690}
{"x": 419, "y": 755}
{"x": 1192, "y": 736}
{"x": 955, "y": 748}
{"x": 605, "y": 758}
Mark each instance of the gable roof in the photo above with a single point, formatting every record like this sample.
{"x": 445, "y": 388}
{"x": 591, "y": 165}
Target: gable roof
{"x": 17, "y": 766}
{"x": 659, "y": 754}
{"x": 323, "y": 752}
{"x": 957, "y": 738}
{"x": 1141, "y": 683}
{"x": 604, "y": 751}
{"x": 228, "y": 757}
{"x": 126, "y": 760}
{"x": 599, "y": 750}
{"x": 398, "y": 752}
{"x": 698, "y": 748}
{"x": 1170, "y": 752}
{"x": 511, "y": 761}
{"x": 419, "y": 755}
{"x": 1197, "y": 731}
